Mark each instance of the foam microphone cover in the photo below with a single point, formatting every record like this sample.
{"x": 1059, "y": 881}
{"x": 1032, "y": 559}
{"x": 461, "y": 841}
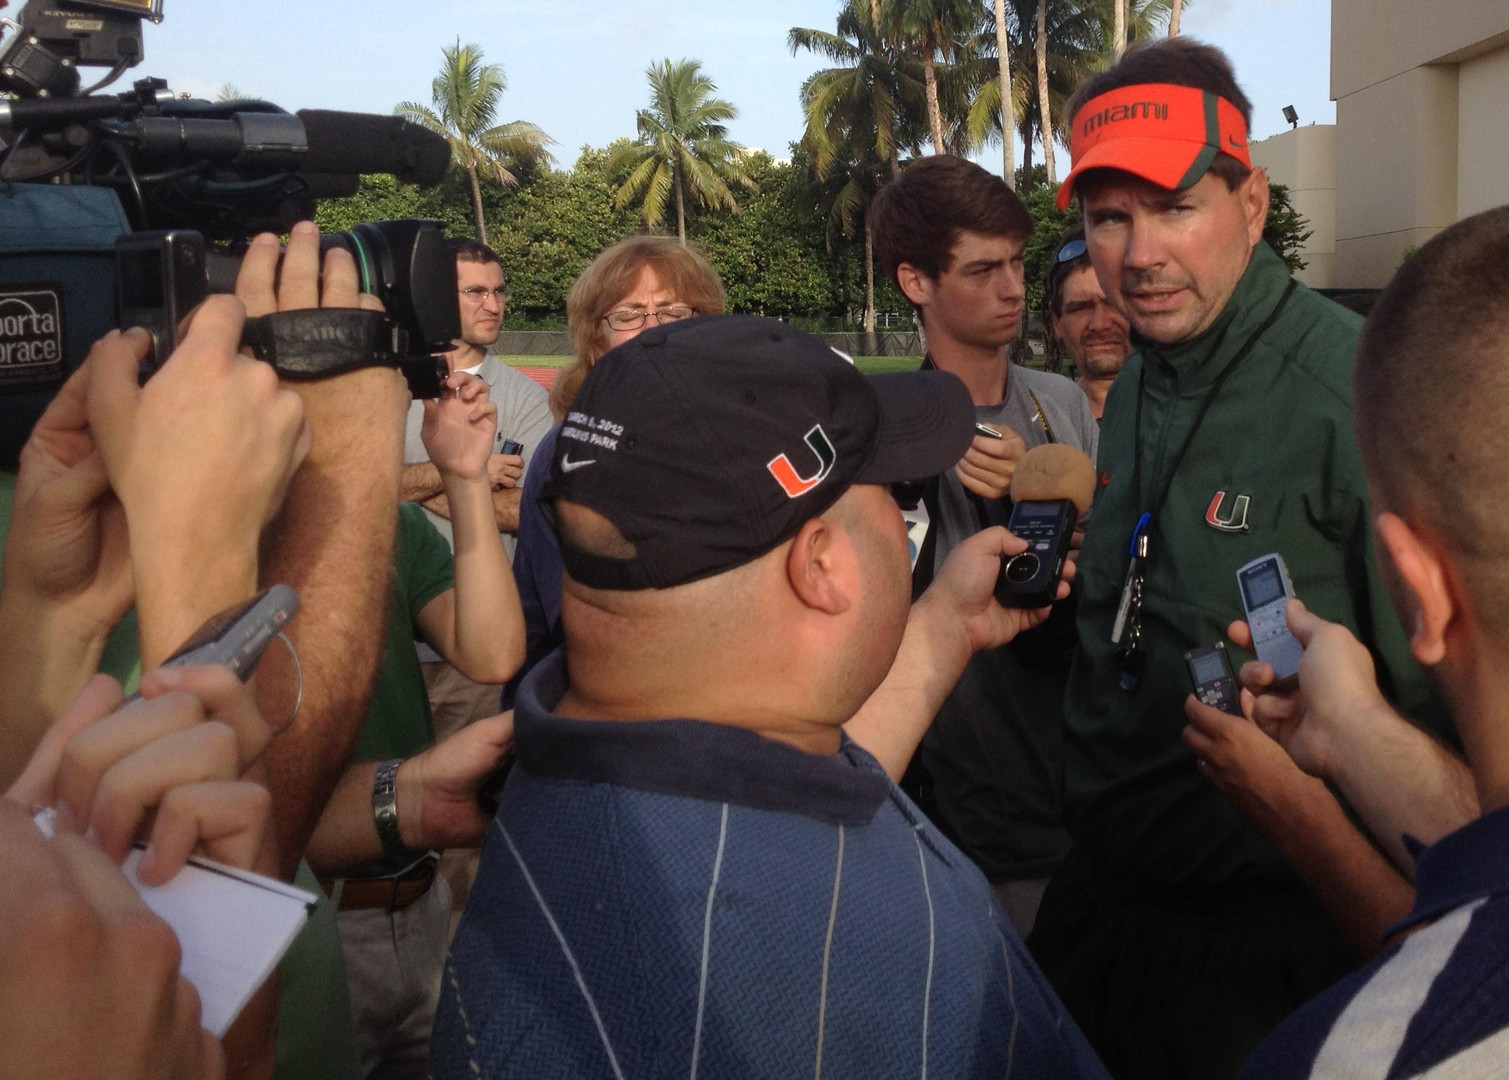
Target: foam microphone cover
{"x": 345, "y": 142}
{"x": 1054, "y": 471}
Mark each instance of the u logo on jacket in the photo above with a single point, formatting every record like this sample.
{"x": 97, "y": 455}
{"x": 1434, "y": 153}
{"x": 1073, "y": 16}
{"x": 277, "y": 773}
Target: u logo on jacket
{"x": 1233, "y": 522}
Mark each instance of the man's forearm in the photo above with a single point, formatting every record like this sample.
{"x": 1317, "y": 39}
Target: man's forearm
{"x": 347, "y": 832}
{"x": 1362, "y": 893}
{"x": 419, "y": 482}
{"x": 333, "y": 543}
{"x": 506, "y": 509}
{"x": 1401, "y": 780}
{"x": 934, "y": 650}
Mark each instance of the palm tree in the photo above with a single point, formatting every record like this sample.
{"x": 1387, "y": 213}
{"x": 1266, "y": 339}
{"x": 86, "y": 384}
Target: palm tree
{"x": 858, "y": 115}
{"x": 1042, "y": 78}
{"x": 1044, "y": 105}
{"x": 869, "y": 92}
{"x": 1003, "y": 61}
{"x": 935, "y": 29}
{"x": 465, "y": 95}
{"x": 683, "y": 147}
{"x": 1174, "y": 11}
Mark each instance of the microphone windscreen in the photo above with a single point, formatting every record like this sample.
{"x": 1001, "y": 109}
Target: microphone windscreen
{"x": 1054, "y": 471}
{"x": 345, "y": 142}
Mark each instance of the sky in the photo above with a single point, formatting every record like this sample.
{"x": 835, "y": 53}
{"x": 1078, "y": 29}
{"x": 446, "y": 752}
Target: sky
{"x": 576, "y": 67}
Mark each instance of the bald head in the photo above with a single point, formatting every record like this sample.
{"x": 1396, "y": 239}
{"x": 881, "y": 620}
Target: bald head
{"x": 1431, "y": 390}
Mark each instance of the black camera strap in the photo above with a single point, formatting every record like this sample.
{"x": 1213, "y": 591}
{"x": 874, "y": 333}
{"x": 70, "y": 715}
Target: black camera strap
{"x": 316, "y": 343}
{"x": 1126, "y": 630}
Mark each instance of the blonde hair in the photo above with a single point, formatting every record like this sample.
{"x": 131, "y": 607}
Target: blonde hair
{"x": 683, "y": 271}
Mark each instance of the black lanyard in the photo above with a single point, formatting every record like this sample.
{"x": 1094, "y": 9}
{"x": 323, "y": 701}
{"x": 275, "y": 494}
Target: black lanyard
{"x": 1152, "y": 511}
{"x": 1128, "y": 622}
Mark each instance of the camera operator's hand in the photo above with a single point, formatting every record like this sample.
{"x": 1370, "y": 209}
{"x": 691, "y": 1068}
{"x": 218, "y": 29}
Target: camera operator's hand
{"x": 332, "y": 540}
{"x": 89, "y": 983}
{"x": 302, "y": 284}
{"x": 175, "y": 758}
{"x": 989, "y": 464}
{"x": 200, "y": 457}
{"x": 458, "y": 428}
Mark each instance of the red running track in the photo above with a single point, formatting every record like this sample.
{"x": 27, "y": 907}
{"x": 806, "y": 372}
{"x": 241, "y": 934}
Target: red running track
{"x": 545, "y": 376}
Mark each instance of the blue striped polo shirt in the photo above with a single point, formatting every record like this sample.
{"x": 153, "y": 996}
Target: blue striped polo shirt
{"x": 1435, "y": 1005}
{"x": 675, "y": 898}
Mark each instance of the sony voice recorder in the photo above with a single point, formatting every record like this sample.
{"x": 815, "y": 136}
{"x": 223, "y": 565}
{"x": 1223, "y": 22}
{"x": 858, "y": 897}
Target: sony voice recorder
{"x": 1265, "y": 587}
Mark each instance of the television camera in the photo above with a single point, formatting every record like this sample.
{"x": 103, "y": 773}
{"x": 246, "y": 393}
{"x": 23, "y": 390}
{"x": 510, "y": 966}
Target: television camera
{"x": 133, "y": 205}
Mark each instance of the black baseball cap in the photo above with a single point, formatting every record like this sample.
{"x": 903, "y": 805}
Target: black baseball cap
{"x": 709, "y": 442}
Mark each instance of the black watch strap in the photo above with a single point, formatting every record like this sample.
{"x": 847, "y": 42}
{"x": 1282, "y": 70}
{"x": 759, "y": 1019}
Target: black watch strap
{"x": 317, "y": 343}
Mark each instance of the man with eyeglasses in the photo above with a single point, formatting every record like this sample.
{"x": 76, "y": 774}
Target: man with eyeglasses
{"x": 1083, "y": 324}
{"x": 523, "y": 417}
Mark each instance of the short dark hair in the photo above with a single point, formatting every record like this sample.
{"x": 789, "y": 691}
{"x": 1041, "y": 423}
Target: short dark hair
{"x": 1053, "y": 293}
{"x": 465, "y": 249}
{"x": 1181, "y": 62}
{"x": 1430, "y": 390}
{"x": 917, "y": 218}
{"x": 1058, "y": 272}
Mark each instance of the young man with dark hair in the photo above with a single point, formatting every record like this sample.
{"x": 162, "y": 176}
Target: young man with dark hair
{"x": 987, "y": 771}
{"x": 1209, "y": 894}
{"x": 1082, "y": 324}
{"x": 1431, "y": 394}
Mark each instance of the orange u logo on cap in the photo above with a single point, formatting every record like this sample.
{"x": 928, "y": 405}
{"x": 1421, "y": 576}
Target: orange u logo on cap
{"x": 794, "y": 484}
{"x": 1166, "y": 134}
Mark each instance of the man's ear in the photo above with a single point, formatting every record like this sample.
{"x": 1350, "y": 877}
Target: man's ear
{"x": 813, "y": 563}
{"x": 1428, "y": 572}
{"x": 914, "y": 284}
{"x": 1254, "y": 195}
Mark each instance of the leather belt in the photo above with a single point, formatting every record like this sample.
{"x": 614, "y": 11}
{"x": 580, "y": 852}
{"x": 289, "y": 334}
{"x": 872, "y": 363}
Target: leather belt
{"x": 387, "y": 894}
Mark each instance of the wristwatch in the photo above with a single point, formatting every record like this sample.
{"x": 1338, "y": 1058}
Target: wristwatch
{"x": 385, "y": 807}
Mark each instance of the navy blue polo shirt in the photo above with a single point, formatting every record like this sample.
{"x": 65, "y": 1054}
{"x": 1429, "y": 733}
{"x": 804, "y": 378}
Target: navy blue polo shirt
{"x": 1437, "y": 1003}
{"x": 677, "y": 898}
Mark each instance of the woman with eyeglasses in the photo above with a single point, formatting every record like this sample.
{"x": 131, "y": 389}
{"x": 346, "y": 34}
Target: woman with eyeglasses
{"x": 639, "y": 282}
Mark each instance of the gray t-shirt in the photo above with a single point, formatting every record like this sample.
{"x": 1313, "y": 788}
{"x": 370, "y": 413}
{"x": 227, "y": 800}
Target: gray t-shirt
{"x": 994, "y": 752}
{"x": 1067, "y": 412}
{"x": 523, "y": 415}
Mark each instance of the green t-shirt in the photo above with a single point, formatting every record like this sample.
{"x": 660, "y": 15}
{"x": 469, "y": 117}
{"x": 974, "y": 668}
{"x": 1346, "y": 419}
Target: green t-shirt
{"x": 398, "y": 722}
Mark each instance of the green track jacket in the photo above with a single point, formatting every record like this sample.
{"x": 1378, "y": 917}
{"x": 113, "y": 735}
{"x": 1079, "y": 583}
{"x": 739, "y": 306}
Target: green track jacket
{"x": 1273, "y": 467}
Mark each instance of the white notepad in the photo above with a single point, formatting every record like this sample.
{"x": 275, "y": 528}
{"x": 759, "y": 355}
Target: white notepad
{"x": 232, "y": 925}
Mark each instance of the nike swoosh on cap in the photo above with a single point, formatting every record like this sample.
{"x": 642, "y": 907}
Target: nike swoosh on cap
{"x": 567, "y": 465}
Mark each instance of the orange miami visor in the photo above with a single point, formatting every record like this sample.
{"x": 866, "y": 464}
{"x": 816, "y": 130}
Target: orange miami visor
{"x": 1163, "y": 133}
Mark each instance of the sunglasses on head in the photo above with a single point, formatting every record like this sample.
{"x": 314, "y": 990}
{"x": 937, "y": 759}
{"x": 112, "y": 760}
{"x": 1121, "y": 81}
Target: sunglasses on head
{"x": 1070, "y": 251}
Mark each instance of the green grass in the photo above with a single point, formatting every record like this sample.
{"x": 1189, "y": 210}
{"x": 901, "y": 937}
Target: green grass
{"x": 870, "y": 365}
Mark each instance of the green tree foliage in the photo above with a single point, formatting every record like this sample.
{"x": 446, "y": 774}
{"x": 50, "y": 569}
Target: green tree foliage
{"x": 683, "y": 151}
{"x": 465, "y": 96}
{"x": 1286, "y": 231}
